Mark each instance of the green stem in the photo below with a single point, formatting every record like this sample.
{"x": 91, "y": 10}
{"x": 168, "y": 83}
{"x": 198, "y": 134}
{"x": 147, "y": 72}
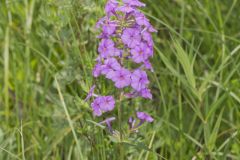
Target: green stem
{"x": 121, "y": 149}
{"x": 6, "y": 74}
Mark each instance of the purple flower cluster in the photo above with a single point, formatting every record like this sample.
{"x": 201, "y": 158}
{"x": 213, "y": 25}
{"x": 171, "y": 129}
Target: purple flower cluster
{"x": 125, "y": 48}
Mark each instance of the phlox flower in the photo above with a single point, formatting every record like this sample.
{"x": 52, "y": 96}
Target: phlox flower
{"x": 141, "y": 52}
{"x": 125, "y": 49}
{"x": 106, "y": 48}
{"x": 108, "y": 122}
{"x": 135, "y": 3}
{"x": 90, "y": 93}
{"x": 122, "y": 78}
{"x": 96, "y": 72}
{"x": 102, "y": 104}
{"x": 131, "y": 37}
{"x": 111, "y": 7}
{"x": 110, "y": 66}
{"x": 145, "y": 93}
{"x": 144, "y": 117}
{"x": 139, "y": 80}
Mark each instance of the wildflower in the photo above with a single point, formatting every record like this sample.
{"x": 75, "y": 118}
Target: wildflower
{"x": 90, "y": 93}
{"x": 122, "y": 78}
{"x": 103, "y": 104}
{"x": 134, "y": 3}
{"x": 144, "y": 117}
{"x": 131, "y": 122}
{"x": 110, "y": 7}
{"x": 139, "y": 80}
{"x": 147, "y": 37}
{"x": 133, "y": 94}
{"x": 125, "y": 37}
{"x": 141, "y": 19}
{"x": 97, "y": 70}
{"x": 106, "y": 48}
{"x": 126, "y": 8}
{"x": 108, "y": 103}
{"x": 108, "y": 123}
{"x": 148, "y": 65}
{"x": 131, "y": 37}
{"x": 109, "y": 27}
{"x": 151, "y": 29}
{"x": 141, "y": 53}
{"x": 101, "y": 22}
{"x": 145, "y": 93}
{"x": 96, "y": 104}
{"x": 110, "y": 64}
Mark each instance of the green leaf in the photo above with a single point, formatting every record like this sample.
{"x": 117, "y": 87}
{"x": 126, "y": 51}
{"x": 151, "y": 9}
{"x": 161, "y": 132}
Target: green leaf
{"x": 185, "y": 62}
{"x": 213, "y": 136}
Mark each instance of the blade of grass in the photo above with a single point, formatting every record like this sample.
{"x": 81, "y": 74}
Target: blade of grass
{"x": 150, "y": 145}
{"x": 186, "y": 64}
{"x": 229, "y": 12}
{"x": 185, "y": 134}
{"x": 69, "y": 119}
{"x": 207, "y": 15}
{"x": 227, "y": 141}
{"x": 22, "y": 141}
{"x": 6, "y": 74}
{"x": 179, "y": 35}
{"x": 10, "y": 153}
{"x": 213, "y": 136}
{"x": 215, "y": 105}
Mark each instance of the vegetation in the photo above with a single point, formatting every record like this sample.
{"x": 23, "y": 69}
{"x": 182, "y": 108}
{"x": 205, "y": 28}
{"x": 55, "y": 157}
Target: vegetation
{"x": 48, "y": 49}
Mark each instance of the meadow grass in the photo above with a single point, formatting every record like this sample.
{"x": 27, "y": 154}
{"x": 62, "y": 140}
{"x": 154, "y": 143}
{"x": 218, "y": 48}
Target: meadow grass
{"x": 48, "y": 49}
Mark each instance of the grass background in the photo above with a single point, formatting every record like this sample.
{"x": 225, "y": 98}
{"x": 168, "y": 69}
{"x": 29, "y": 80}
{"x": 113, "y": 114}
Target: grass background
{"x": 48, "y": 49}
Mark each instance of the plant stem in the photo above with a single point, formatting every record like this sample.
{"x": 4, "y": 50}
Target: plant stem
{"x": 121, "y": 149}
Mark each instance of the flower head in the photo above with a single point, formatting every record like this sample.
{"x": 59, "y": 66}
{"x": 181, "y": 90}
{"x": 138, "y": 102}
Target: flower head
{"x": 131, "y": 122}
{"x": 141, "y": 19}
{"x": 108, "y": 122}
{"x": 101, "y": 22}
{"x": 139, "y": 80}
{"x": 106, "y": 48}
{"x": 111, "y": 6}
{"x": 126, "y": 8}
{"x": 134, "y": 3}
{"x": 148, "y": 65}
{"x": 147, "y": 37}
{"x": 141, "y": 53}
{"x": 131, "y": 37}
{"x": 110, "y": 66}
{"x": 90, "y": 93}
{"x": 109, "y": 28}
{"x": 144, "y": 117}
{"x": 103, "y": 104}
{"x": 96, "y": 107}
{"x": 125, "y": 39}
{"x": 145, "y": 93}
{"x": 97, "y": 70}
{"x": 122, "y": 78}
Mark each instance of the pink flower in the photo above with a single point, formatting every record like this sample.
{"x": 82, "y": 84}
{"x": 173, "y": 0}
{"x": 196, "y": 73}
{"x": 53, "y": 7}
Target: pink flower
{"x": 122, "y": 78}
{"x": 103, "y": 104}
{"x": 131, "y": 37}
{"x": 139, "y": 80}
{"x": 144, "y": 117}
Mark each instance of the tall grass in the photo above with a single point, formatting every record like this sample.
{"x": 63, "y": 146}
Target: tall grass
{"x": 48, "y": 49}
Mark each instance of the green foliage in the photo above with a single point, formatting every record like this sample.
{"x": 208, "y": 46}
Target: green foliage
{"x": 48, "y": 49}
